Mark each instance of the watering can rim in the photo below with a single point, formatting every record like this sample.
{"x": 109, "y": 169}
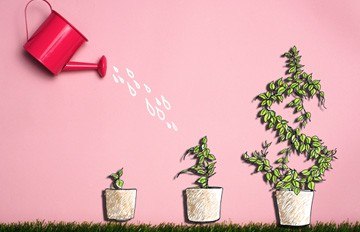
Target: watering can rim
{"x": 72, "y": 26}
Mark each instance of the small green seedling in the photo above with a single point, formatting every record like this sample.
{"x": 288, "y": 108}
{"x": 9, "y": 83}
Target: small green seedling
{"x": 117, "y": 183}
{"x": 205, "y": 163}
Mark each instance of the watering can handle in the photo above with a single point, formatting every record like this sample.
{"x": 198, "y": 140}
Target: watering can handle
{"x": 26, "y": 21}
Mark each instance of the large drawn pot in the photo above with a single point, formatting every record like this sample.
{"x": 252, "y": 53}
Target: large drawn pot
{"x": 294, "y": 210}
{"x": 203, "y": 204}
{"x": 120, "y": 204}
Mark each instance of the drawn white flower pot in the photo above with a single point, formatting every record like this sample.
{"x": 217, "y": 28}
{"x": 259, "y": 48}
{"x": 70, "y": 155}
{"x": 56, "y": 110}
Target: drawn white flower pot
{"x": 203, "y": 204}
{"x": 120, "y": 204}
{"x": 294, "y": 210}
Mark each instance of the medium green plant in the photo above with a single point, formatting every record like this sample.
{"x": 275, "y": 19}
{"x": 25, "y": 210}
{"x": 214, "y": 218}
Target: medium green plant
{"x": 300, "y": 85}
{"x": 117, "y": 182}
{"x": 205, "y": 163}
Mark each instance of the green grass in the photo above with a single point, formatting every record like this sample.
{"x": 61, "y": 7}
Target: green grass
{"x": 110, "y": 227}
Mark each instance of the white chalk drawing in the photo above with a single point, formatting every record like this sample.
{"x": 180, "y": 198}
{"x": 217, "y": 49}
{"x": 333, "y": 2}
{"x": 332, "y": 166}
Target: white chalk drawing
{"x": 168, "y": 125}
{"x": 147, "y": 88}
{"x": 115, "y": 78}
{"x": 116, "y": 69}
{"x": 158, "y": 101}
{"x": 131, "y": 90}
{"x": 118, "y": 79}
{"x": 155, "y": 107}
{"x": 174, "y": 126}
{"x": 160, "y": 114}
{"x": 137, "y": 85}
{"x": 149, "y": 107}
{"x": 130, "y": 73}
{"x": 166, "y": 103}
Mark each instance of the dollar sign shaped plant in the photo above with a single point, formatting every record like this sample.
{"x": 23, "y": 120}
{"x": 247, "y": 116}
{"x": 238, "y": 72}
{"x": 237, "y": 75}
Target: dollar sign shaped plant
{"x": 205, "y": 163}
{"x": 300, "y": 85}
{"x": 117, "y": 182}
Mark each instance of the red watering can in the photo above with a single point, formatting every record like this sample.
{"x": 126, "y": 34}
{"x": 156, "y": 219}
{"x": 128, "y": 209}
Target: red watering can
{"x": 55, "y": 42}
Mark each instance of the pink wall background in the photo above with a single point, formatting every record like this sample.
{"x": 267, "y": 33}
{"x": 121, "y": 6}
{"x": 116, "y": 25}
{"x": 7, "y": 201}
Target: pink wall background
{"x": 61, "y": 136}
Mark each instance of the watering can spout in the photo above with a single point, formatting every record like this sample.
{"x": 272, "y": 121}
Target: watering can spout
{"x": 77, "y": 66}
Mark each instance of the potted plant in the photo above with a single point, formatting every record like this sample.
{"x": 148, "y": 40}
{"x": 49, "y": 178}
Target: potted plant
{"x": 120, "y": 203}
{"x": 294, "y": 189}
{"x": 203, "y": 203}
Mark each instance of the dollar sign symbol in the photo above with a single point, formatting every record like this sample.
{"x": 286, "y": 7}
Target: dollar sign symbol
{"x": 299, "y": 85}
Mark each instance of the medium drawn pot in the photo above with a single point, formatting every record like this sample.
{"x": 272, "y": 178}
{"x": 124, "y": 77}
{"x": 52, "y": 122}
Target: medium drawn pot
{"x": 203, "y": 204}
{"x": 294, "y": 210}
{"x": 120, "y": 204}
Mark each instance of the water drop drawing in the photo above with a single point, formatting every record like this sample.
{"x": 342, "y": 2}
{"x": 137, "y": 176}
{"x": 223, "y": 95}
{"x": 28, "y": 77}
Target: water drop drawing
{"x": 174, "y": 126}
{"x": 159, "y": 105}
{"x": 166, "y": 103}
{"x": 137, "y": 85}
{"x": 116, "y": 69}
{"x": 115, "y": 78}
{"x": 160, "y": 114}
{"x": 149, "y": 107}
{"x": 168, "y": 125}
{"x": 158, "y": 101}
{"x": 130, "y": 73}
{"x": 147, "y": 88}
{"x": 131, "y": 90}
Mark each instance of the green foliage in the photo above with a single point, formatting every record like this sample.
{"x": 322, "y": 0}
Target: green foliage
{"x": 113, "y": 226}
{"x": 117, "y": 182}
{"x": 205, "y": 163}
{"x": 301, "y": 86}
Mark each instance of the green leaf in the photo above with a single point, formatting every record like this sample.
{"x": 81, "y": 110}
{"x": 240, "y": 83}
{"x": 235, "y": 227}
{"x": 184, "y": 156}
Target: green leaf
{"x": 262, "y": 96}
{"x": 295, "y": 183}
{"x": 305, "y": 172}
{"x": 204, "y": 139}
{"x": 302, "y": 138}
{"x": 267, "y": 162}
{"x": 211, "y": 157}
{"x": 200, "y": 172}
{"x": 268, "y": 176}
{"x": 274, "y": 178}
{"x": 287, "y": 186}
{"x": 119, "y": 183}
{"x": 287, "y": 178}
{"x": 266, "y": 117}
{"x": 268, "y": 103}
{"x": 252, "y": 159}
{"x": 202, "y": 180}
{"x": 272, "y": 85}
{"x": 196, "y": 149}
{"x": 292, "y": 69}
{"x": 311, "y": 185}
{"x": 201, "y": 160}
{"x": 115, "y": 176}
{"x": 302, "y": 147}
{"x": 279, "y": 185}
{"x": 281, "y": 90}
{"x": 316, "y": 144}
{"x": 276, "y": 172}
{"x": 296, "y": 191}
{"x": 120, "y": 172}
{"x": 263, "y": 112}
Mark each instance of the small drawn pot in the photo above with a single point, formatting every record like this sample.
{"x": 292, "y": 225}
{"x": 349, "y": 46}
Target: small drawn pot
{"x": 203, "y": 204}
{"x": 294, "y": 210}
{"x": 120, "y": 204}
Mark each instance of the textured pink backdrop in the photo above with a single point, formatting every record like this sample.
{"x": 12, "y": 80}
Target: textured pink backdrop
{"x": 60, "y": 137}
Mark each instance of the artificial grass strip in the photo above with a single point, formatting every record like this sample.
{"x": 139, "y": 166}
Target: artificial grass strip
{"x": 112, "y": 227}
